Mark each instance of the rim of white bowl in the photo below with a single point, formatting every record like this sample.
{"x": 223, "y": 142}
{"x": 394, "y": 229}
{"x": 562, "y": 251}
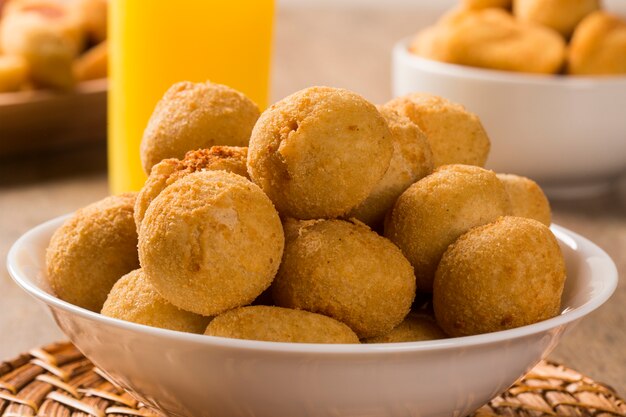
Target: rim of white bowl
{"x": 401, "y": 50}
{"x": 602, "y": 266}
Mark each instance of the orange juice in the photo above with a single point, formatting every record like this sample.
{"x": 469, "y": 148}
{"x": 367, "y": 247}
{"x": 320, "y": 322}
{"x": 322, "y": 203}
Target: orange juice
{"x": 156, "y": 43}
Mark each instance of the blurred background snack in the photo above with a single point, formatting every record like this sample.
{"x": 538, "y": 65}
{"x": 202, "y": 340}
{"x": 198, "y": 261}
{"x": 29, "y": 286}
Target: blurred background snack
{"x": 492, "y": 38}
{"x": 598, "y": 46}
{"x": 560, "y": 15}
{"x": 50, "y": 35}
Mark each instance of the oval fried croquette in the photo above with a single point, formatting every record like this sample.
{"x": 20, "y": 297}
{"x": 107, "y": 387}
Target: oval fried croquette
{"x": 346, "y": 271}
{"x": 502, "y": 275}
{"x": 436, "y": 210}
{"x": 455, "y": 135}
{"x": 194, "y": 116}
{"x": 415, "y": 327}
{"x": 276, "y": 324}
{"x": 134, "y": 299}
{"x": 412, "y": 159}
{"x": 210, "y": 242}
{"x": 168, "y": 171}
{"x": 92, "y": 250}
{"x": 320, "y": 152}
{"x": 526, "y": 198}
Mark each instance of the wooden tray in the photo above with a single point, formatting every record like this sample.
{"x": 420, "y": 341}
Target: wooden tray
{"x": 57, "y": 380}
{"x": 42, "y": 120}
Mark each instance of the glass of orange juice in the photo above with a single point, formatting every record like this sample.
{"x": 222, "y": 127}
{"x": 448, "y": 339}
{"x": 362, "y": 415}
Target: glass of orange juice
{"x": 157, "y": 43}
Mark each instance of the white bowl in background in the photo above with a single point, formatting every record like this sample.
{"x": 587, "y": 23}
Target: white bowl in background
{"x": 557, "y": 130}
{"x": 194, "y": 375}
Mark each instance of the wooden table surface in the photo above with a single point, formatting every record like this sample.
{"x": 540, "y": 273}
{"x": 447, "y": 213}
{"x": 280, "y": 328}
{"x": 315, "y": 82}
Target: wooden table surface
{"x": 344, "y": 48}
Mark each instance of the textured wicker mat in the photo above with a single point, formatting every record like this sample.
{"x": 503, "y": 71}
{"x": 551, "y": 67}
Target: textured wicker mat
{"x": 57, "y": 380}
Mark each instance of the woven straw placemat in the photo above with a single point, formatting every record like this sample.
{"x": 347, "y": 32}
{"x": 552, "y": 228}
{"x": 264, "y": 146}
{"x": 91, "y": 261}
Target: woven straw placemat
{"x": 57, "y": 380}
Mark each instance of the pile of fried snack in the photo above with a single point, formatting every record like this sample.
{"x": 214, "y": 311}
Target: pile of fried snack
{"x": 573, "y": 37}
{"x": 326, "y": 219}
{"x": 51, "y": 43}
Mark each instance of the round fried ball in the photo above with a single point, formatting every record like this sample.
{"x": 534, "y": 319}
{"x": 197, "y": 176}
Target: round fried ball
{"x": 210, "y": 242}
{"x": 455, "y": 135}
{"x": 411, "y": 160}
{"x": 276, "y": 324}
{"x": 598, "y": 46}
{"x": 319, "y": 152}
{"x": 436, "y": 210}
{"x": 415, "y": 327}
{"x": 194, "y": 116}
{"x": 560, "y": 15}
{"x": 506, "y": 274}
{"x": 527, "y": 198}
{"x": 346, "y": 271}
{"x": 168, "y": 171}
{"x": 92, "y": 250}
{"x": 134, "y": 299}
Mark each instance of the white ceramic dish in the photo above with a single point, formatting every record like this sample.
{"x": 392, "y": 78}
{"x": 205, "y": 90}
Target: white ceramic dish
{"x": 194, "y": 375}
{"x": 557, "y": 130}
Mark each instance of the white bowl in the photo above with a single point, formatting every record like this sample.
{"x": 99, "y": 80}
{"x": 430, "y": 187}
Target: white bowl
{"x": 194, "y": 375}
{"x": 553, "y": 129}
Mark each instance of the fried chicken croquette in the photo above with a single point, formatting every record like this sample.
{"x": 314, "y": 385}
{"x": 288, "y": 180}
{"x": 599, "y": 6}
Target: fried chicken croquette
{"x": 411, "y": 160}
{"x": 347, "y": 272}
{"x": 492, "y": 38}
{"x": 92, "y": 250}
{"x": 168, "y": 171}
{"x": 598, "y": 46}
{"x": 194, "y": 116}
{"x": 210, "y": 242}
{"x": 455, "y": 135}
{"x": 415, "y": 327}
{"x": 505, "y": 274}
{"x": 436, "y": 210}
{"x": 526, "y": 198}
{"x": 560, "y": 15}
{"x": 320, "y": 152}
{"x": 134, "y": 299}
{"x": 276, "y": 324}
